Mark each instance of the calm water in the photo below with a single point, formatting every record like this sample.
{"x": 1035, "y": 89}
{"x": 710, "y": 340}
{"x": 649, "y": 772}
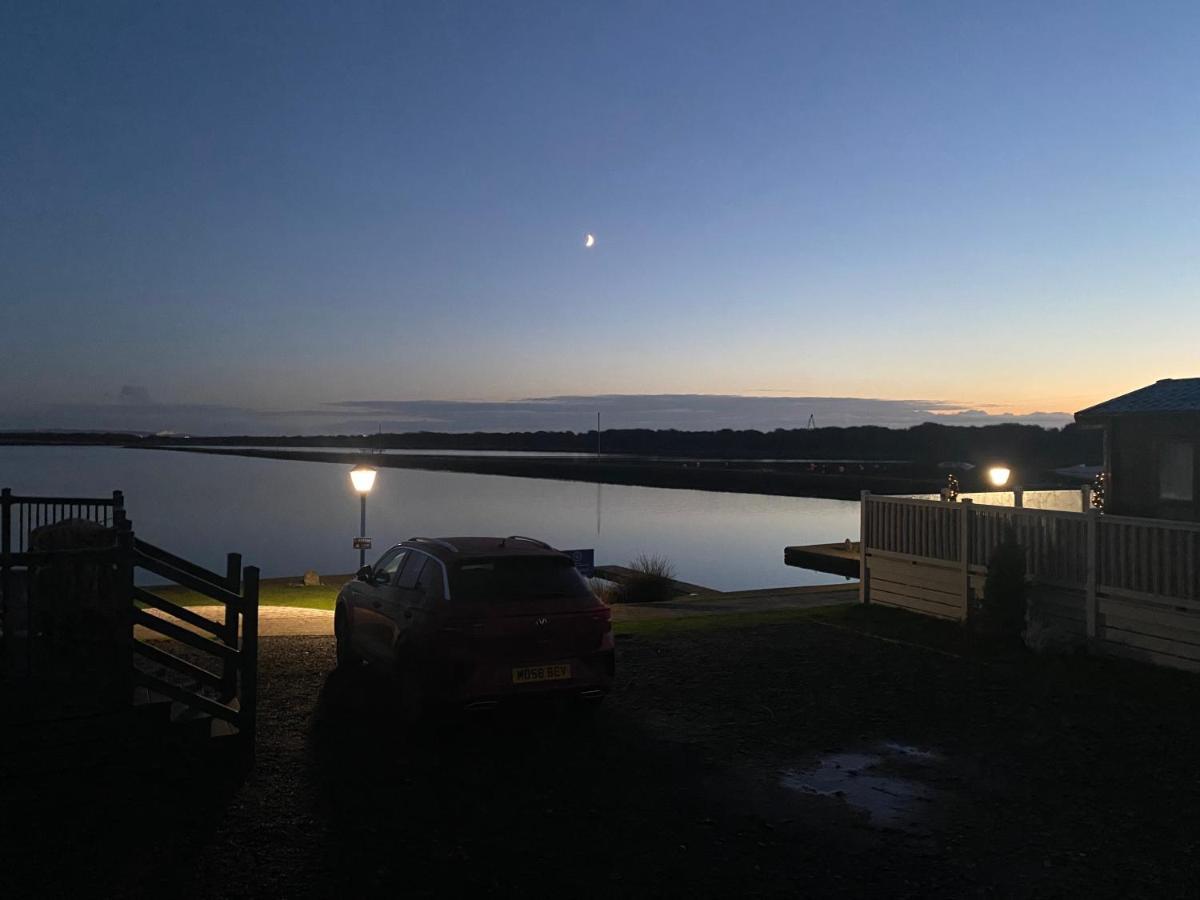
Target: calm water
{"x": 287, "y": 516}
{"x": 1063, "y": 501}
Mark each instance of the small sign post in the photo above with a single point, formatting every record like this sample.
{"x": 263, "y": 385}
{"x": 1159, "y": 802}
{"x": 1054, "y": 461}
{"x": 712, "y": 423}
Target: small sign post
{"x": 585, "y": 561}
{"x": 362, "y": 543}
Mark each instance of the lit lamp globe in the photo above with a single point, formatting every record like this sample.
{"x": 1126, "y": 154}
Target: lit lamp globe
{"x": 363, "y": 479}
{"x": 999, "y": 475}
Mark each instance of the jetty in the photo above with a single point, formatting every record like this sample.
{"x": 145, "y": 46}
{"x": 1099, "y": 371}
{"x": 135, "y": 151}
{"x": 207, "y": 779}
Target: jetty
{"x": 835, "y": 559}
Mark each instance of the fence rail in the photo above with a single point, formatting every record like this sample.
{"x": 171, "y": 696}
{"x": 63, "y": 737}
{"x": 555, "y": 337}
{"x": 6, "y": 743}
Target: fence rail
{"x": 1132, "y": 585}
{"x": 226, "y": 688}
{"x": 19, "y": 516}
{"x": 1150, "y": 557}
{"x": 1055, "y": 542}
{"x": 914, "y": 528}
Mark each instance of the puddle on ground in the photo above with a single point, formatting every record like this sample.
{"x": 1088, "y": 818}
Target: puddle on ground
{"x": 884, "y": 782}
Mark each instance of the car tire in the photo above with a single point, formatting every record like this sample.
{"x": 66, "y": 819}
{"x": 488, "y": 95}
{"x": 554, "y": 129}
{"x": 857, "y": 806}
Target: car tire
{"x": 346, "y": 657}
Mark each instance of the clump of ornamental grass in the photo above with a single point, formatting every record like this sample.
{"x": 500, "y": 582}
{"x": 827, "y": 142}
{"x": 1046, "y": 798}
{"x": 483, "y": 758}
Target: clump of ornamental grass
{"x": 651, "y": 580}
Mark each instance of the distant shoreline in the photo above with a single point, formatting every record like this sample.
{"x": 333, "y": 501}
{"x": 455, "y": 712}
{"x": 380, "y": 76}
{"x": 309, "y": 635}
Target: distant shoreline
{"x": 835, "y": 463}
{"x": 698, "y": 475}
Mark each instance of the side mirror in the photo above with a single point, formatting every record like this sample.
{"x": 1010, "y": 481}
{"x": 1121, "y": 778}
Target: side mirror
{"x": 364, "y": 574}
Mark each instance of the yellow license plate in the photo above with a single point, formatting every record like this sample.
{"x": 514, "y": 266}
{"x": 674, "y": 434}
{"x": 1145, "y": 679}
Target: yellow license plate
{"x": 531, "y": 674}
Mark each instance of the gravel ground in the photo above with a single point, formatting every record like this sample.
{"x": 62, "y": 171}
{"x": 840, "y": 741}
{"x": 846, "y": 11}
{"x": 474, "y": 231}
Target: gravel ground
{"x": 298, "y": 621}
{"x": 1031, "y": 778}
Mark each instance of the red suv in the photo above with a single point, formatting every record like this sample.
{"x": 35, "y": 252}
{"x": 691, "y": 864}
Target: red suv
{"x": 474, "y": 621}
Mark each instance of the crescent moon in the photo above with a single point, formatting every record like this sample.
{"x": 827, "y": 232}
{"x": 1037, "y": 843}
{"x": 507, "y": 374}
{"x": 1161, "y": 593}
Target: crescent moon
{"x": 589, "y": 241}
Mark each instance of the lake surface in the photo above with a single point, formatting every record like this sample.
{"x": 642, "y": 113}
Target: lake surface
{"x": 286, "y": 516}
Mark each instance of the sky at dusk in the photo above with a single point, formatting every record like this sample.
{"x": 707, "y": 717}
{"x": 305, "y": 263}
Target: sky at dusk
{"x": 214, "y": 213}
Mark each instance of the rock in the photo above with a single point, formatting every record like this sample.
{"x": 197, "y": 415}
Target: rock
{"x": 311, "y": 578}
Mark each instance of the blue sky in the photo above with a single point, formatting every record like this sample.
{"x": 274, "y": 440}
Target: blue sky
{"x": 280, "y": 206}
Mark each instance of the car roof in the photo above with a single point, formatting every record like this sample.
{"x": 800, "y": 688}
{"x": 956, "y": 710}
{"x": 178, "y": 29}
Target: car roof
{"x": 452, "y": 549}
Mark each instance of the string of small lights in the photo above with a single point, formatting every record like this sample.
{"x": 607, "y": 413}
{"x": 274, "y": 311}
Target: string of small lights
{"x": 952, "y": 486}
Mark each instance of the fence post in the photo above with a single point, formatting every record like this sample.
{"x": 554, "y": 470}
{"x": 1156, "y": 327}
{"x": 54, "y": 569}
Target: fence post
{"x": 1093, "y": 560}
{"x": 233, "y": 572}
{"x": 248, "y": 717}
{"x": 125, "y": 571}
{"x": 5, "y": 576}
{"x": 864, "y": 588}
{"x": 6, "y": 521}
{"x": 1018, "y": 496}
{"x": 233, "y": 581}
{"x": 1085, "y": 498}
{"x": 964, "y": 552}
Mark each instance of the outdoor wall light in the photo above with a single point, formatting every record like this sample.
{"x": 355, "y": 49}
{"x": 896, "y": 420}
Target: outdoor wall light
{"x": 999, "y": 475}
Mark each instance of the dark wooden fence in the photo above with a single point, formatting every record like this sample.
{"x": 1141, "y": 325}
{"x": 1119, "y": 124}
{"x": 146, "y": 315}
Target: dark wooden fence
{"x": 225, "y": 688}
{"x": 234, "y": 679}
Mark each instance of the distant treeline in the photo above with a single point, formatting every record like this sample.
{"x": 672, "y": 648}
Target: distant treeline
{"x": 930, "y": 443}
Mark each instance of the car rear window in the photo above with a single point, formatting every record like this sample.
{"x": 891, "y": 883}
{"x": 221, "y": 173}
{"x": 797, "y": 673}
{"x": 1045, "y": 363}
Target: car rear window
{"x": 505, "y": 578}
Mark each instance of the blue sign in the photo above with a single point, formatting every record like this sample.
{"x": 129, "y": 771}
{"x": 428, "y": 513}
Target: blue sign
{"x": 585, "y": 561}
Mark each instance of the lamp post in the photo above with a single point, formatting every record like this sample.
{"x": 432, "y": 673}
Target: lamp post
{"x": 363, "y": 479}
{"x": 1001, "y": 475}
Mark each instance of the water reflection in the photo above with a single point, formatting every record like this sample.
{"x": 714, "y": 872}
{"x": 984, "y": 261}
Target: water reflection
{"x": 288, "y": 515}
{"x": 888, "y": 783}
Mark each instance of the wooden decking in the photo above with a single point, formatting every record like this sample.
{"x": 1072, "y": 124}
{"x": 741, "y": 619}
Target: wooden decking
{"x": 835, "y": 559}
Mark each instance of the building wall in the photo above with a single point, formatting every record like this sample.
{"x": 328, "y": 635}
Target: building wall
{"x": 1133, "y": 451}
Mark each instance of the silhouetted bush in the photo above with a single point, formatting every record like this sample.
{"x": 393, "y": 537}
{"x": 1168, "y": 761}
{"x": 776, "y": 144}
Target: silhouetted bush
{"x": 651, "y": 581}
{"x": 1004, "y": 592}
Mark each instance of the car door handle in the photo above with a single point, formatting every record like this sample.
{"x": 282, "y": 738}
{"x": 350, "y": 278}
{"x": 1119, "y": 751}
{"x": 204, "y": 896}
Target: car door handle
{"x": 376, "y": 604}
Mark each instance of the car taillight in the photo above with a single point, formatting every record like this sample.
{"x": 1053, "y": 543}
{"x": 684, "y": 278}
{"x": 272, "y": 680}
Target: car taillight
{"x": 604, "y": 620}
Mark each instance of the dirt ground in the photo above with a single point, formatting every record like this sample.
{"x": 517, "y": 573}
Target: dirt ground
{"x": 855, "y": 752}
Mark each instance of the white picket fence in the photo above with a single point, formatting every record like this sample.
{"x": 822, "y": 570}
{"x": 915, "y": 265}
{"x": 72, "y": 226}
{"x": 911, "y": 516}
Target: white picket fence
{"x": 1129, "y": 586}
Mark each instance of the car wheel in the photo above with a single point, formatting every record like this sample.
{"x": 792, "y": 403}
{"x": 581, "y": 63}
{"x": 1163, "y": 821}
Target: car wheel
{"x": 346, "y": 657}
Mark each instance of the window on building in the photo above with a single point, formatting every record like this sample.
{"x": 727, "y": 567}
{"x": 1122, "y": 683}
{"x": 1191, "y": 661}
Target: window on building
{"x": 1176, "y": 471}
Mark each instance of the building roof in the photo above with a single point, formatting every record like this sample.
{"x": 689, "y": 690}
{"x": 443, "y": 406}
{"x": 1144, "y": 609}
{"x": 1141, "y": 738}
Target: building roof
{"x": 1168, "y": 395}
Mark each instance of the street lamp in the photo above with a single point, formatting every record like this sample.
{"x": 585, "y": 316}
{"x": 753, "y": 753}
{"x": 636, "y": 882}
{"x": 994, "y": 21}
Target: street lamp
{"x": 363, "y": 479}
{"x": 999, "y": 475}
